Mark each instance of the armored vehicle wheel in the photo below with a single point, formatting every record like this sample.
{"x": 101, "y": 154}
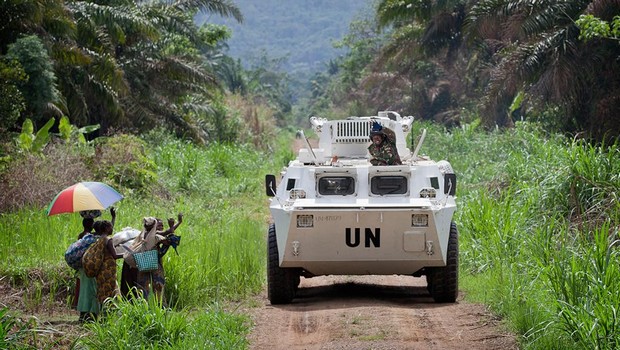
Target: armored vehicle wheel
{"x": 443, "y": 282}
{"x": 281, "y": 282}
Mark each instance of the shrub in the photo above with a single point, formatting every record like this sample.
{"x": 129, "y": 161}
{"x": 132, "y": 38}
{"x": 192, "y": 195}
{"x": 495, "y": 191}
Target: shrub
{"x": 38, "y": 90}
{"x": 122, "y": 161}
{"x": 33, "y": 180}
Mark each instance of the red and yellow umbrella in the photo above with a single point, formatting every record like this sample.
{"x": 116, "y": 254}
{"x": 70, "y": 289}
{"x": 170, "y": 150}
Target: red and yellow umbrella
{"x": 84, "y": 196}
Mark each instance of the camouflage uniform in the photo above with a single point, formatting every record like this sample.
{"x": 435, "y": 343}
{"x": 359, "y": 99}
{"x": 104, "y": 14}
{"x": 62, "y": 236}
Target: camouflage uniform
{"x": 384, "y": 154}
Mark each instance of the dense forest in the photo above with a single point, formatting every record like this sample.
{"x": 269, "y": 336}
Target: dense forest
{"x": 553, "y": 62}
{"x": 128, "y": 65}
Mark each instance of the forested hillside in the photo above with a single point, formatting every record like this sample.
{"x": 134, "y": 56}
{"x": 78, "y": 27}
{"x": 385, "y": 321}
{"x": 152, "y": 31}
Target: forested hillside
{"x": 303, "y": 32}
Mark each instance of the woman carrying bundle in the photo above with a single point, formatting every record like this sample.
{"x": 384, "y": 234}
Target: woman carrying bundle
{"x": 152, "y": 238}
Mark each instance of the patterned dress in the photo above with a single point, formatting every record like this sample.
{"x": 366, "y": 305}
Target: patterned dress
{"x": 107, "y": 287}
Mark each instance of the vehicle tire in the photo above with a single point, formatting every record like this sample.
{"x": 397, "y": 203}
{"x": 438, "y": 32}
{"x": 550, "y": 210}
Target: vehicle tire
{"x": 281, "y": 282}
{"x": 443, "y": 282}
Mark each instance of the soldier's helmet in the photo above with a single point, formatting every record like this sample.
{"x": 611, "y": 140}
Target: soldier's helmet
{"x": 377, "y": 129}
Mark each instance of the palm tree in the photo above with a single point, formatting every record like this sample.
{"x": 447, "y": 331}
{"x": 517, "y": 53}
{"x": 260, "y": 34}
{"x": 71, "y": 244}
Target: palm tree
{"x": 422, "y": 56}
{"x": 122, "y": 63}
{"x": 442, "y": 21}
{"x": 44, "y": 18}
{"x": 50, "y": 21}
{"x": 537, "y": 49}
{"x": 143, "y": 62}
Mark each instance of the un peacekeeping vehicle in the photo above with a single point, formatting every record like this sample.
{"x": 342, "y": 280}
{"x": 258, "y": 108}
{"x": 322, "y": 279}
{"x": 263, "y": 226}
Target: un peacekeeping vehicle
{"x": 334, "y": 213}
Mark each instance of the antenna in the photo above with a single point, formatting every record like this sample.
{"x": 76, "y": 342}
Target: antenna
{"x": 417, "y": 148}
{"x": 301, "y": 132}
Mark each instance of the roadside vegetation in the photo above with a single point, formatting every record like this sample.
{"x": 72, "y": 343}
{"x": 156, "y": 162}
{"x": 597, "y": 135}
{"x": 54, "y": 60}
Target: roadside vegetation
{"x": 220, "y": 262}
{"x": 538, "y": 222}
{"x": 538, "y": 219}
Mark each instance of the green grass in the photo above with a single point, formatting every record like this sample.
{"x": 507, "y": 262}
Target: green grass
{"x": 220, "y": 191}
{"x": 538, "y": 234}
{"x": 145, "y": 324}
{"x": 538, "y": 219}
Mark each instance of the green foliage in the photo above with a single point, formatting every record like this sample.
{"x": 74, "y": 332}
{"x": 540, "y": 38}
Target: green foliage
{"x": 39, "y": 90}
{"x": 65, "y": 128}
{"x": 215, "y": 171}
{"x": 592, "y": 27}
{"x": 516, "y": 103}
{"x": 221, "y": 128}
{"x": 146, "y": 325}
{"x": 28, "y": 141}
{"x": 585, "y": 276}
{"x": 123, "y": 162}
{"x": 542, "y": 41}
{"x": 12, "y": 102}
{"x": 269, "y": 84}
{"x": 232, "y": 75}
{"x": 69, "y": 131}
{"x": 120, "y": 64}
{"x": 12, "y": 331}
{"x": 593, "y": 181}
{"x": 362, "y": 43}
{"x": 536, "y": 215}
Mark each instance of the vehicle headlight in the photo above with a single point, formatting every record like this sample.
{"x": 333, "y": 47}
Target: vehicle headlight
{"x": 428, "y": 192}
{"x": 305, "y": 220}
{"x": 297, "y": 193}
{"x": 419, "y": 220}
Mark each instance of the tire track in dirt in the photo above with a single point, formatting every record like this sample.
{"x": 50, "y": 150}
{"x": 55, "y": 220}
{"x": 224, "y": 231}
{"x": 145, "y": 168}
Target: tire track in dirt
{"x": 373, "y": 312}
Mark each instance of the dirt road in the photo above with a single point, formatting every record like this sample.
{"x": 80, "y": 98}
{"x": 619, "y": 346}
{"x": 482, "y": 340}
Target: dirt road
{"x": 374, "y": 312}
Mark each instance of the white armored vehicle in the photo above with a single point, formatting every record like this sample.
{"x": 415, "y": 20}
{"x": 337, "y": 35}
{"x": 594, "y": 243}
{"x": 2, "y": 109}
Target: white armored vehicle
{"x": 335, "y": 213}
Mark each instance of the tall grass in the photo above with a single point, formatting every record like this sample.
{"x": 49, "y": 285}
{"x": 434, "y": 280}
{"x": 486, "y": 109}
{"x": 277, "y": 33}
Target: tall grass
{"x": 585, "y": 277}
{"x": 144, "y": 324}
{"x": 221, "y": 258}
{"x": 538, "y": 217}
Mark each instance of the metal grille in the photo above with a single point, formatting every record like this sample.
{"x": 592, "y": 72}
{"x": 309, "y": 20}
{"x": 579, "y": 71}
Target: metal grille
{"x": 305, "y": 220}
{"x": 352, "y": 131}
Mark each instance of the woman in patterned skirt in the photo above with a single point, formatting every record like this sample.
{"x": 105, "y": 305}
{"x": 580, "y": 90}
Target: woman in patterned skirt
{"x": 107, "y": 286}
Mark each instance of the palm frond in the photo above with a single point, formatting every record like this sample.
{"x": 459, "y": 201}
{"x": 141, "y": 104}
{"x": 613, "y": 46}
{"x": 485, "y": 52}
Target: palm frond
{"x": 185, "y": 73}
{"x": 225, "y": 8}
{"x": 443, "y": 29}
{"x": 402, "y": 39}
{"x": 391, "y": 12}
{"x": 120, "y": 20}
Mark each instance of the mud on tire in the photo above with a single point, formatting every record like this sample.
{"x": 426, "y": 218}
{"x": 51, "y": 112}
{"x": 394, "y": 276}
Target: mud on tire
{"x": 443, "y": 282}
{"x": 281, "y": 282}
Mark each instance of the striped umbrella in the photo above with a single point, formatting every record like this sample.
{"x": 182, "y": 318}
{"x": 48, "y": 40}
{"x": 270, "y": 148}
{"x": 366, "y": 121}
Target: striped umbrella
{"x": 84, "y": 196}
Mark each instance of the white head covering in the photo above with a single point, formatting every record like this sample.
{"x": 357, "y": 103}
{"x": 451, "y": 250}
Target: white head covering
{"x": 146, "y": 240}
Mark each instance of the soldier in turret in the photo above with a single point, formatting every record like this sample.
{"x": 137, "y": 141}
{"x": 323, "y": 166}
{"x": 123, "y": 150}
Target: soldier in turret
{"x": 382, "y": 149}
